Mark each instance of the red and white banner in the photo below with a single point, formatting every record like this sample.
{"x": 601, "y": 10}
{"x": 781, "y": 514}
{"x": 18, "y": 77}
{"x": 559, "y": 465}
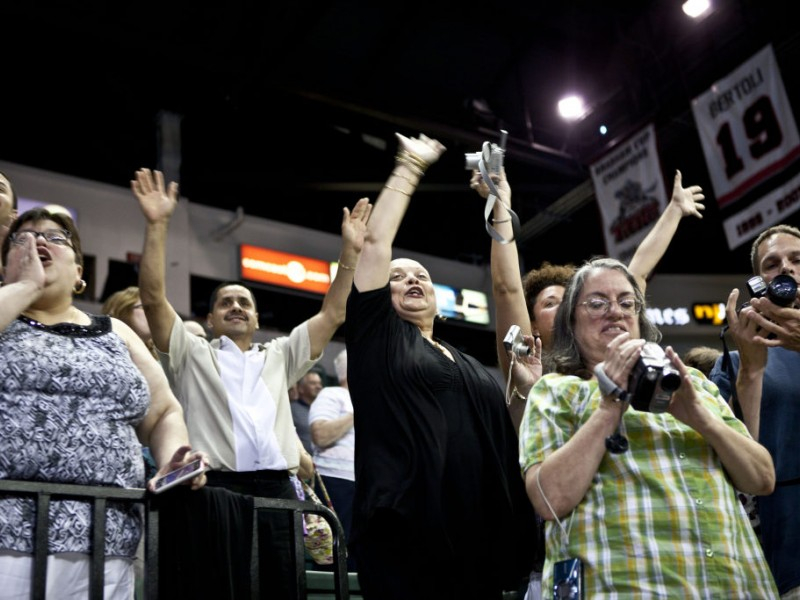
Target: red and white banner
{"x": 746, "y": 127}
{"x": 766, "y": 212}
{"x": 629, "y": 187}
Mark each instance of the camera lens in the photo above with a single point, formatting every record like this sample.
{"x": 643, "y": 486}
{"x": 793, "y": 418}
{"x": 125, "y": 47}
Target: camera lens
{"x": 521, "y": 349}
{"x": 472, "y": 161}
{"x": 670, "y": 381}
{"x": 782, "y": 290}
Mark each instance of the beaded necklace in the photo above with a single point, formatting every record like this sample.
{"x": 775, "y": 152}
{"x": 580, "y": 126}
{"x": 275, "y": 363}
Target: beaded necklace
{"x": 69, "y": 329}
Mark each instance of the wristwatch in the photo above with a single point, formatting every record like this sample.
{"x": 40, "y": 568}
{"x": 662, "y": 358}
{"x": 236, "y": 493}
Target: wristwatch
{"x": 608, "y": 387}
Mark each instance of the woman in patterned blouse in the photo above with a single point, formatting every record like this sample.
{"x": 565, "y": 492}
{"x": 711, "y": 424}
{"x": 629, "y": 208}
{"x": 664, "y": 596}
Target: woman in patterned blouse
{"x": 79, "y": 395}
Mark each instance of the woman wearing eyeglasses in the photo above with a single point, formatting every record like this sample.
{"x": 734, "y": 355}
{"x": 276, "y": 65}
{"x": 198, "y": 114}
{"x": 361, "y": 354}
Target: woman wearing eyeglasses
{"x": 79, "y": 395}
{"x": 660, "y": 519}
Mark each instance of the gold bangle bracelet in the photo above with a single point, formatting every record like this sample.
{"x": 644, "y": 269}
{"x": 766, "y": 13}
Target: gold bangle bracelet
{"x": 398, "y": 190}
{"x": 345, "y": 267}
{"x": 414, "y": 158}
{"x": 501, "y": 220}
{"x": 406, "y": 177}
{"x": 410, "y": 166}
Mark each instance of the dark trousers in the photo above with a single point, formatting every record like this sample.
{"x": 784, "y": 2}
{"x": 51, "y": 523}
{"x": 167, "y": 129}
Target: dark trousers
{"x": 341, "y": 492}
{"x": 396, "y": 561}
{"x": 205, "y": 538}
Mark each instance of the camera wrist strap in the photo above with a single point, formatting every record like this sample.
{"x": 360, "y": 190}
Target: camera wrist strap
{"x": 494, "y": 196}
{"x": 508, "y": 383}
{"x": 564, "y": 531}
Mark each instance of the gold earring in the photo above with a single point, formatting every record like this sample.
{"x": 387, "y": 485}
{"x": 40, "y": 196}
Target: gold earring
{"x": 80, "y": 287}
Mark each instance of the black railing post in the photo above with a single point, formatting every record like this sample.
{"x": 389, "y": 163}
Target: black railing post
{"x": 97, "y": 578}
{"x": 40, "y": 542}
{"x": 43, "y": 493}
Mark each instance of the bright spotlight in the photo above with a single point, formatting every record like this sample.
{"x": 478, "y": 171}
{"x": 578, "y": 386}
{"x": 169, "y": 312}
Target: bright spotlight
{"x": 696, "y": 8}
{"x": 571, "y": 108}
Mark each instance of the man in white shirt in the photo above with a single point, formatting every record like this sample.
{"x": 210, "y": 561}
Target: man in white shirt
{"x": 234, "y": 392}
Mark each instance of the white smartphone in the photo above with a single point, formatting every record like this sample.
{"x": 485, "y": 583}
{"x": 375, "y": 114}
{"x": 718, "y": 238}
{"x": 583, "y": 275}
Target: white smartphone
{"x": 173, "y": 478}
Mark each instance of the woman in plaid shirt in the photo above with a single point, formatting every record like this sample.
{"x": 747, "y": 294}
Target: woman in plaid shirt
{"x": 662, "y": 518}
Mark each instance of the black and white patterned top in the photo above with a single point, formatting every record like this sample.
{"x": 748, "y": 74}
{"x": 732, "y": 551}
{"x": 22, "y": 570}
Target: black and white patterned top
{"x": 70, "y": 398}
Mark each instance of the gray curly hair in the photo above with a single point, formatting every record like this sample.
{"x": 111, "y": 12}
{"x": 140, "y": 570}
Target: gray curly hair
{"x": 565, "y": 357}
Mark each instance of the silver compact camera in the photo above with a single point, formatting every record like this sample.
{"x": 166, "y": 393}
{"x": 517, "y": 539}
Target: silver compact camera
{"x": 653, "y": 380}
{"x": 513, "y": 342}
{"x": 491, "y": 154}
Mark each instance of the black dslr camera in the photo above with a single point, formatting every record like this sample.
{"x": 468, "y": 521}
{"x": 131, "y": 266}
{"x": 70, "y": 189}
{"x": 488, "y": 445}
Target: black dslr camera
{"x": 652, "y": 380}
{"x": 782, "y": 290}
{"x": 492, "y": 155}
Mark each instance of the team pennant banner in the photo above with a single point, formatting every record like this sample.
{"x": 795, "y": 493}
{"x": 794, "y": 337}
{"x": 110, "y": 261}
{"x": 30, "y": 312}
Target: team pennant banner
{"x": 746, "y": 127}
{"x": 629, "y": 187}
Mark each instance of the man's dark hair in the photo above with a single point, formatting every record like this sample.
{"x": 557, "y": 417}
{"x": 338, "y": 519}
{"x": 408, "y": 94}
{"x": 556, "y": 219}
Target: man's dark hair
{"x": 212, "y": 300}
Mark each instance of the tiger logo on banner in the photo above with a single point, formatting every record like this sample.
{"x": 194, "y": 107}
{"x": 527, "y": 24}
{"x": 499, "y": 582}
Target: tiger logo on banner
{"x": 629, "y": 187}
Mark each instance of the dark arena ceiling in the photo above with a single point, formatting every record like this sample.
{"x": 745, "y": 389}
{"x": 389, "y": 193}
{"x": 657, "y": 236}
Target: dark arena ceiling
{"x": 288, "y": 109}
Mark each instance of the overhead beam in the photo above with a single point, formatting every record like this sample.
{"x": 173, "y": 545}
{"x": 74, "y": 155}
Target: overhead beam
{"x": 558, "y": 212}
{"x": 521, "y": 150}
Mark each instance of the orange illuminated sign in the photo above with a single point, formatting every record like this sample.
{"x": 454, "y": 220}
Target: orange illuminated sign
{"x": 284, "y": 269}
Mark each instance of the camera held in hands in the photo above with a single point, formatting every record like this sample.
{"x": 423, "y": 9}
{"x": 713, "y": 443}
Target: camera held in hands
{"x": 513, "y": 342}
{"x": 781, "y": 291}
{"x": 653, "y": 380}
{"x": 492, "y": 155}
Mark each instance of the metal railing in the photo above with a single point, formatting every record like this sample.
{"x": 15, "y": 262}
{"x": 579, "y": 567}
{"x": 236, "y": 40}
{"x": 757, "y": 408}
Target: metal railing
{"x": 99, "y": 496}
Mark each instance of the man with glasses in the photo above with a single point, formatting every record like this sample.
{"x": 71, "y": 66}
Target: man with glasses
{"x": 762, "y": 378}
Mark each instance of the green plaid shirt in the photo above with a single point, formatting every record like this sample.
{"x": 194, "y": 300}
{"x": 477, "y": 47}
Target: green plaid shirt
{"x": 661, "y": 520}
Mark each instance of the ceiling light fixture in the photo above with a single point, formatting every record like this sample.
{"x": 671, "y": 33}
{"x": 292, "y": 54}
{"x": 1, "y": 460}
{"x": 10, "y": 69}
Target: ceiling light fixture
{"x": 696, "y": 8}
{"x": 571, "y": 108}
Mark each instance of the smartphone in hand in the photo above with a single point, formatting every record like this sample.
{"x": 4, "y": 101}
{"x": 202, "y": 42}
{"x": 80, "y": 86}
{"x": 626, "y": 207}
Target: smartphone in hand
{"x": 173, "y": 478}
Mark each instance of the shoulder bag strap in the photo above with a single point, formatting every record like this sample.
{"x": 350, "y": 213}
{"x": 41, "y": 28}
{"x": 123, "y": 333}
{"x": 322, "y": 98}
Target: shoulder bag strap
{"x": 323, "y": 489}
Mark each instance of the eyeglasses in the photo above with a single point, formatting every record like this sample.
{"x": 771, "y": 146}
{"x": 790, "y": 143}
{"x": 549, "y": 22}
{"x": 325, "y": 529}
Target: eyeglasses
{"x": 597, "y": 307}
{"x": 59, "y": 237}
